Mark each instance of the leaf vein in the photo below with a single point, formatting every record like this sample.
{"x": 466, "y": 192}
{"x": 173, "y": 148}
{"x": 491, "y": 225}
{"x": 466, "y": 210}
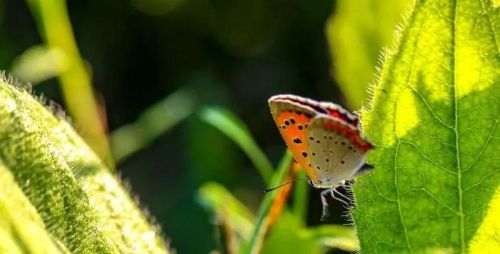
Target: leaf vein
{"x": 437, "y": 200}
{"x": 492, "y": 29}
{"x": 457, "y": 141}
{"x": 430, "y": 108}
{"x": 429, "y": 159}
{"x": 483, "y": 147}
{"x": 380, "y": 192}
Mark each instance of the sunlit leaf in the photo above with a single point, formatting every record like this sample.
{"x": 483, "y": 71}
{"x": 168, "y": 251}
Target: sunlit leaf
{"x": 356, "y": 32}
{"x": 20, "y": 223}
{"x": 77, "y": 200}
{"x": 434, "y": 121}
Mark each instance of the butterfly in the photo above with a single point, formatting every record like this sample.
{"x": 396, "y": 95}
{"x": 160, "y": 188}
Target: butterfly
{"x": 325, "y": 139}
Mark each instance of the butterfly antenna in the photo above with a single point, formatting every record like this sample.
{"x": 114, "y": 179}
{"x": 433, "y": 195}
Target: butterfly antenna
{"x": 289, "y": 182}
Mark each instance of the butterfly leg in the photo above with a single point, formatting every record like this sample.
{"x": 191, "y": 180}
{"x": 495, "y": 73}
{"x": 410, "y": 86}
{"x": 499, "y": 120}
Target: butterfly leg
{"x": 325, "y": 213}
{"x": 334, "y": 190}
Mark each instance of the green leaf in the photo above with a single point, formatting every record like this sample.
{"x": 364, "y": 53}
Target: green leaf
{"x": 39, "y": 63}
{"x": 235, "y": 129}
{"x": 356, "y": 33}
{"x": 81, "y": 204}
{"x": 20, "y": 223}
{"x": 434, "y": 121}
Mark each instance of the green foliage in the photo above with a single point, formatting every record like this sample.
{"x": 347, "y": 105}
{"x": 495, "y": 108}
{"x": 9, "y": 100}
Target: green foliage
{"x": 434, "y": 120}
{"x": 288, "y": 236}
{"x": 62, "y": 196}
{"x": 243, "y": 232}
{"x": 356, "y": 32}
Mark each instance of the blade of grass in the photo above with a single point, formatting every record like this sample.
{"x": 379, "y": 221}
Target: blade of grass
{"x": 260, "y": 229}
{"x": 219, "y": 201}
{"x": 152, "y": 123}
{"x": 235, "y": 129}
{"x": 54, "y": 24}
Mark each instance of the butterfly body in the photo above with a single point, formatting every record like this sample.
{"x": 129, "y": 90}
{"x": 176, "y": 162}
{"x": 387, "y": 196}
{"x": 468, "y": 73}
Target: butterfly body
{"x": 324, "y": 138}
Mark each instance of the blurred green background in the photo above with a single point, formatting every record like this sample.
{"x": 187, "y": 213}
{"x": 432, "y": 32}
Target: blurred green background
{"x": 156, "y": 66}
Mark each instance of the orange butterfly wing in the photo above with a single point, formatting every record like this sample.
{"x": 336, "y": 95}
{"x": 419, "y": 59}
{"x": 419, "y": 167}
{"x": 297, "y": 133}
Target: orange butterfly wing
{"x": 293, "y": 120}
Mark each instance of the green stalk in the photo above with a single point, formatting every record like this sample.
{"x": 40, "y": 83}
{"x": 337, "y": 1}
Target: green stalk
{"x": 55, "y": 26}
